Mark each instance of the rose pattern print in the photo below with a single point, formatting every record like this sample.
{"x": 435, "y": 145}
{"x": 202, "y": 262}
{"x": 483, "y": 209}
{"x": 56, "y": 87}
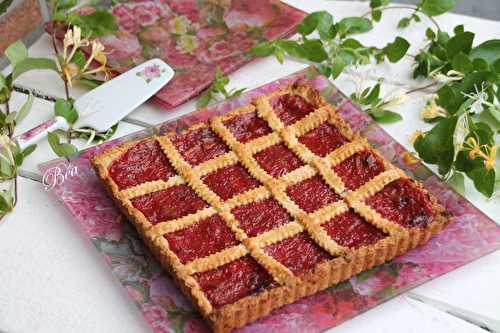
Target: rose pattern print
{"x": 163, "y": 306}
{"x": 192, "y": 36}
{"x": 151, "y": 72}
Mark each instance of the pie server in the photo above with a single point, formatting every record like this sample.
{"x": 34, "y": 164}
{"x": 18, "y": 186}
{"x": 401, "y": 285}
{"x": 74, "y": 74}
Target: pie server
{"x": 107, "y": 104}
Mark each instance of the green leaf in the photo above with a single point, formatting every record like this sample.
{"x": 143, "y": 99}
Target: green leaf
{"x": 314, "y": 50}
{"x": 321, "y": 21}
{"x": 263, "y": 49}
{"x": 16, "y": 52}
{"x": 354, "y": 25}
{"x": 462, "y": 63}
{"x": 396, "y": 50}
{"x": 337, "y": 67}
{"x": 377, "y": 15}
{"x": 29, "y": 64}
{"x": 28, "y": 150}
{"x": 461, "y": 42}
{"x": 495, "y": 113}
{"x": 378, "y": 3}
{"x": 372, "y": 95}
{"x": 385, "y": 116}
{"x": 97, "y": 24}
{"x": 488, "y": 51}
{"x": 5, "y": 5}
{"x": 484, "y": 180}
{"x": 25, "y": 109}
{"x": 436, "y": 146}
{"x": 456, "y": 181}
{"x": 404, "y": 22}
{"x": 279, "y": 54}
{"x": 436, "y": 7}
{"x": 480, "y": 64}
{"x": 430, "y": 34}
{"x": 204, "y": 99}
{"x": 61, "y": 149}
{"x": 11, "y": 117}
{"x": 292, "y": 48}
{"x": 65, "y": 109}
{"x": 65, "y": 4}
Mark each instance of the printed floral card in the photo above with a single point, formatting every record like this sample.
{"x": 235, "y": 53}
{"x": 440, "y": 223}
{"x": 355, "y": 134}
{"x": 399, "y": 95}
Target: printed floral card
{"x": 192, "y": 36}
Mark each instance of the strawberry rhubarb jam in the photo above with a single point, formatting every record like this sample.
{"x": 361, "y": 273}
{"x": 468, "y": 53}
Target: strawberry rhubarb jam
{"x": 290, "y": 108}
{"x": 233, "y": 281}
{"x": 312, "y": 194}
{"x": 247, "y": 126}
{"x": 299, "y": 253}
{"x": 359, "y": 168}
{"x": 159, "y": 206}
{"x": 351, "y": 230}
{"x": 229, "y": 181}
{"x": 199, "y": 145}
{"x": 277, "y": 160}
{"x": 261, "y": 216}
{"x": 142, "y": 163}
{"x": 193, "y": 242}
{"x": 403, "y": 203}
{"x": 323, "y": 139}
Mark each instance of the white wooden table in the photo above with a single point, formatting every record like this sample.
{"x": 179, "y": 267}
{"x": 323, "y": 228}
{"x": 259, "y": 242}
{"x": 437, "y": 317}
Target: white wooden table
{"x": 52, "y": 279}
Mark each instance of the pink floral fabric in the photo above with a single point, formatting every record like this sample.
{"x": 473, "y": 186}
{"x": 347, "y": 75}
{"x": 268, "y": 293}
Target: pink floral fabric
{"x": 193, "y": 36}
{"x": 470, "y": 236}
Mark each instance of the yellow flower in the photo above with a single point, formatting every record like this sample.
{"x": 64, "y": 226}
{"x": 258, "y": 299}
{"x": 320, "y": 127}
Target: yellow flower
{"x": 396, "y": 98}
{"x": 410, "y": 158}
{"x": 415, "y": 136}
{"x": 71, "y": 71}
{"x": 489, "y": 162}
{"x": 432, "y": 110}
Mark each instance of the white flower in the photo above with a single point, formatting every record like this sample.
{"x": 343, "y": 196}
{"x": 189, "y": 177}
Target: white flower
{"x": 395, "y": 98}
{"x": 358, "y": 77}
{"x": 452, "y": 75}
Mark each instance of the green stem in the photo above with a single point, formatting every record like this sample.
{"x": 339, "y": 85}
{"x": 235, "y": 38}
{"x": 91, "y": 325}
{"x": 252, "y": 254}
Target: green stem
{"x": 414, "y": 8}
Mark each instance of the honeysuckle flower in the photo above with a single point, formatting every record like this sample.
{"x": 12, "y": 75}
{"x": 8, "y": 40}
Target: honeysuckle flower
{"x": 432, "y": 110}
{"x": 6, "y": 149}
{"x": 73, "y": 38}
{"x": 415, "y": 135}
{"x": 480, "y": 99}
{"x": 395, "y": 98}
{"x": 359, "y": 77}
{"x": 450, "y": 76}
{"x": 486, "y": 152}
{"x": 461, "y": 132}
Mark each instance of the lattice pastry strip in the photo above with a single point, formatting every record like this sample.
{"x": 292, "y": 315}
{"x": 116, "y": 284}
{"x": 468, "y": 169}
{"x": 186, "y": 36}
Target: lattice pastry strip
{"x": 224, "y": 209}
{"x": 276, "y": 186}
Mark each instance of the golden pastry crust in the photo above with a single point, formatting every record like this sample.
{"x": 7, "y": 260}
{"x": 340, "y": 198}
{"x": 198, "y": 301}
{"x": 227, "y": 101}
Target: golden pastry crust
{"x": 287, "y": 287}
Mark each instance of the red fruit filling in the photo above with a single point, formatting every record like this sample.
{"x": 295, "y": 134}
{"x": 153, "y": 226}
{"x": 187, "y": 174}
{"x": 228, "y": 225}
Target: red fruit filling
{"x": 142, "y": 163}
{"x": 290, "y": 108}
{"x": 403, "y": 203}
{"x": 247, "y": 126}
{"x": 277, "y": 160}
{"x": 229, "y": 181}
{"x": 351, "y": 230}
{"x": 233, "y": 281}
{"x": 359, "y": 168}
{"x": 171, "y": 203}
{"x": 312, "y": 194}
{"x": 299, "y": 253}
{"x": 323, "y": 139}
{"x": 261, "y": 216}
{"x": 199, "y": 145}
{"x": 204, "y": 238}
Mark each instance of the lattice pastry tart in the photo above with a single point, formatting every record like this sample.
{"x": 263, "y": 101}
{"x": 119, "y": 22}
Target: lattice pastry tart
{"x": 267, "y": 204}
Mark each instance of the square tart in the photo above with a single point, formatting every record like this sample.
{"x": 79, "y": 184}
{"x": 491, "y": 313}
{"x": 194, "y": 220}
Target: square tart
{"x": 269, "y": 203}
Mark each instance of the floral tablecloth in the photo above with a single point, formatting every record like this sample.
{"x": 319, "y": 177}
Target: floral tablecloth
{"x": 192, "y": 36}
{"x": 470, "y": 236}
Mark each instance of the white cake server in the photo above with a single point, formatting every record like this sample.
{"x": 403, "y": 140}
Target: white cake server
{"x": 107, "y": 104}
